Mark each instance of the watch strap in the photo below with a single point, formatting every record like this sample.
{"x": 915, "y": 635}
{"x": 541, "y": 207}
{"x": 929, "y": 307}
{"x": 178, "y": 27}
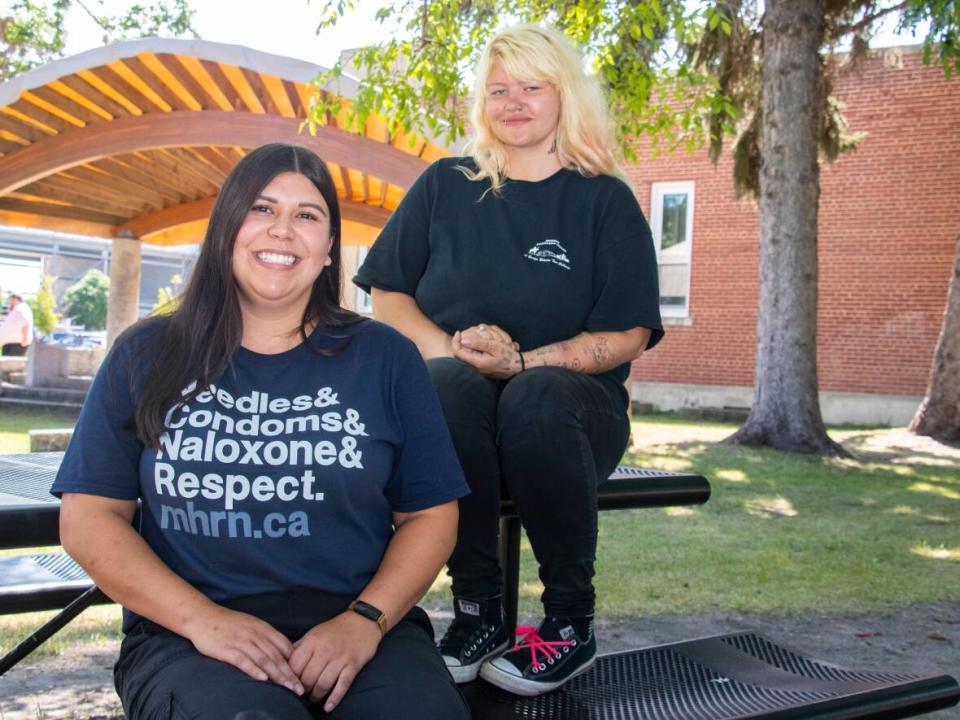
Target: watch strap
{"x": 370, "y": 613}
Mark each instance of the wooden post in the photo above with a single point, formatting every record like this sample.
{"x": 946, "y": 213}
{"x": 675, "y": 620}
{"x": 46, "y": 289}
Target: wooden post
{"x": 123, "y": 303}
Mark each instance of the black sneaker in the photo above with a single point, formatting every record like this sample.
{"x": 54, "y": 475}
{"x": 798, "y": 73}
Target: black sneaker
{"x": 543, "y": 659}
{"x": 476, "y": 634}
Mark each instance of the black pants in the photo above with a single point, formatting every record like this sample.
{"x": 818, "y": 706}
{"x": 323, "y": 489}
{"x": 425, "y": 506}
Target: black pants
{"x": 161, "y": 676}
{"x": 15, "y": 350}
{"x": 548, "y": 437}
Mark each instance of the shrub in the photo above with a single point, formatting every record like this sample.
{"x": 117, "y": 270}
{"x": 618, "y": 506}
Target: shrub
{"x": 86, "y": 302}
{"x": 44, "y": 307}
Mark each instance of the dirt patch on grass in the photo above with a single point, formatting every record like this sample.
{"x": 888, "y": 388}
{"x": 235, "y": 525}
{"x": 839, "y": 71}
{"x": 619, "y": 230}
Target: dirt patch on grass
{"x": 901, "y": 447}
{"x": 77, "y": 683}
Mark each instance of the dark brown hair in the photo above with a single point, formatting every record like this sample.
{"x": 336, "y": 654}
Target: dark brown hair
{"x": 198, "y": 340}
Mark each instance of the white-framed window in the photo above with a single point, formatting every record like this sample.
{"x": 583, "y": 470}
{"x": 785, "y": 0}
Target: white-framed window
{"x": 671, "y": 220}
{"x": 364, "y": 303}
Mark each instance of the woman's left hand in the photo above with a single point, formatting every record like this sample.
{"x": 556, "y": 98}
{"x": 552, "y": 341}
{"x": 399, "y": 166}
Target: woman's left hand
{"x": 489, "y": 349}
{"x": 330, "y": 655}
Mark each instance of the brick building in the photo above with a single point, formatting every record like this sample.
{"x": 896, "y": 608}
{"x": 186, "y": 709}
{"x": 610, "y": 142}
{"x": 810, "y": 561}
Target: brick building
{"x": 889, "y": 222}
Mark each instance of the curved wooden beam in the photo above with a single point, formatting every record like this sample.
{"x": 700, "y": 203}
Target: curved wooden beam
{"x": 200, "y": 210}
{"x": 46, "y": 222}
{"x": 205, "y": 127}
{"x": 166, "y": 218}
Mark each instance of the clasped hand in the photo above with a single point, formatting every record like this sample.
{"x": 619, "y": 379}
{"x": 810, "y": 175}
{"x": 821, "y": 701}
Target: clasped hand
{"x": 489, "y": 349}
{"x": 322, "y": 663}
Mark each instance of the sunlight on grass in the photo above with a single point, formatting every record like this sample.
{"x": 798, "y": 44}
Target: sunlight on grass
{"x": 898, "y": 446}
{"x": 662, "y": 430}
{"x": 770, "y": 507}
{"x": 843, "y": 543}
{"x": 920, "y": 460}
{"x": 679, "y": 511}
{"x": 441, "y": 583}
{"x": 943, "y": 492}
{"x": 909, "y": 510}
{"x": 904, "y": 510}
{"x": 738, "y": 476}
{"x": 98, "y": 624}
{"x": 531, "y": 589}
{"x": 668, "y": 458}
{"x": 938, "y": 553}
{"x": 14, "y": 442}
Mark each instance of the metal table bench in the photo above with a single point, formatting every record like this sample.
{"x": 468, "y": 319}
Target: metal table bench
{"x": 29, "y": 514}
{"x": 733, "y": 676}
{"x": 741, "y": 675}
{"x": 29, "y": 518}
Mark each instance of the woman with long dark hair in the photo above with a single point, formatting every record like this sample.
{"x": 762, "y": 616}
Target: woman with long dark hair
{"x": 526, "y": 275}
{"x": 296, "y": 483}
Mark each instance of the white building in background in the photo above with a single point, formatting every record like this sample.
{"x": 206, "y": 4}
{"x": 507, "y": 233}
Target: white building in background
{"x": 26, "y": 255}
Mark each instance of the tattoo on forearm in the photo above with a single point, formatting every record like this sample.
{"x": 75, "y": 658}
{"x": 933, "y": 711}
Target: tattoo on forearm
{"x": 584, "y": 353}
{"x": 601, "y": 352}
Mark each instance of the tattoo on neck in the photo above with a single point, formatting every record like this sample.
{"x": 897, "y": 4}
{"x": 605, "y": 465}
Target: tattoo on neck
{"x": 553, "y": 147}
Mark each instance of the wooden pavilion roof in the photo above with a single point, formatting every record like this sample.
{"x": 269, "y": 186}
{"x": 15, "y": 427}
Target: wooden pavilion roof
{"x": 137, "y": 137}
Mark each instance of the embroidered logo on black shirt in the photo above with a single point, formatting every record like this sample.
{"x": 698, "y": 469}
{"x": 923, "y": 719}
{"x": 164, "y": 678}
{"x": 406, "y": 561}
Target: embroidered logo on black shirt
{"x": 549, "y": 251}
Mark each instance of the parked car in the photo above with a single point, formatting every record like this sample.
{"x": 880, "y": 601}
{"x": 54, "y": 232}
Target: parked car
{"x": 76, "y": 338}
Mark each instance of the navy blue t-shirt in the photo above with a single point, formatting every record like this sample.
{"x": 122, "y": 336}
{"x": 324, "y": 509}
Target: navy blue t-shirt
{"x": 544, "y": 260}
{"x": 282, "y": 473}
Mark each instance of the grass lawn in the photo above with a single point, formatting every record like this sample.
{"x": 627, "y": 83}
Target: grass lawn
{"x": 15, "y": 422}
{"x": 782, "y": 533}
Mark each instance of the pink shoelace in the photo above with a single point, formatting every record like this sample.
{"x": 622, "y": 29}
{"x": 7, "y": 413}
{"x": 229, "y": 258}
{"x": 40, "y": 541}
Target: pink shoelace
{"x": 529, "y": 638}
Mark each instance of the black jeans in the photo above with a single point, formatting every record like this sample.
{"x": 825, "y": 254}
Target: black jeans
{"x": 548, "y": 437}
{"x": 161, "y": 676}
{"x": 14, "y": 350}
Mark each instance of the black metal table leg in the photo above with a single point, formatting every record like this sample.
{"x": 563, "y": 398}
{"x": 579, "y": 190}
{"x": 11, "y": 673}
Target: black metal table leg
{"x": 509, "y": 552}
{"x": 50, "y": 628}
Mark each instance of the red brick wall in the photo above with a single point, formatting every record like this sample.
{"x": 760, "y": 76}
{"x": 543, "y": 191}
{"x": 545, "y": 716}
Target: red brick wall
{"x": 889, "y": 219}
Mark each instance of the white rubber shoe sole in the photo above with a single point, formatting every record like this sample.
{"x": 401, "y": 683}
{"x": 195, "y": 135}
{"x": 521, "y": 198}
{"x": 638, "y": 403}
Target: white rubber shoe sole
{"x": 505, "y": 676}
{"x": 468, "y": 673}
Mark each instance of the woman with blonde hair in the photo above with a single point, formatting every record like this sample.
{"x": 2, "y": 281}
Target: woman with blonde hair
{"x": 526, "y": 275}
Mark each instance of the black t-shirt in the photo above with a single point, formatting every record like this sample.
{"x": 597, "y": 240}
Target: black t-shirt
{"x": 544, "y": 260}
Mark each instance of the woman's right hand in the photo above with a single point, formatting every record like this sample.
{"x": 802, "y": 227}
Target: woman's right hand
{"x": 246, "y": 642}
{"x": 97, "y": 532}
{"x": 489, "y": 349}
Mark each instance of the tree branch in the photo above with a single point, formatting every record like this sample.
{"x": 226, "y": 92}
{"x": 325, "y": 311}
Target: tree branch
{"x": 869, "y": 20}
{"x": 98, "y": 21}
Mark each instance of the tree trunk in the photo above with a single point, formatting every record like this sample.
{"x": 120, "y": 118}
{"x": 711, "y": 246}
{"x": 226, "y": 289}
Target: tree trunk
{"x": 786, "y": 408}
{"x": 939, "y": 413}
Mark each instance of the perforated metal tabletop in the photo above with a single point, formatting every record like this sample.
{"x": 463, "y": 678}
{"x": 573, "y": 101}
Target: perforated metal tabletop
{"x": 742, "y": 675}
{"x": 28, "y": 512}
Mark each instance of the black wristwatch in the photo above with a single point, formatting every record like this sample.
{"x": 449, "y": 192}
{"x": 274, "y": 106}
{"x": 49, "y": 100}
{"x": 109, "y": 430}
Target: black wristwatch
{"x": 370, "y": 613}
